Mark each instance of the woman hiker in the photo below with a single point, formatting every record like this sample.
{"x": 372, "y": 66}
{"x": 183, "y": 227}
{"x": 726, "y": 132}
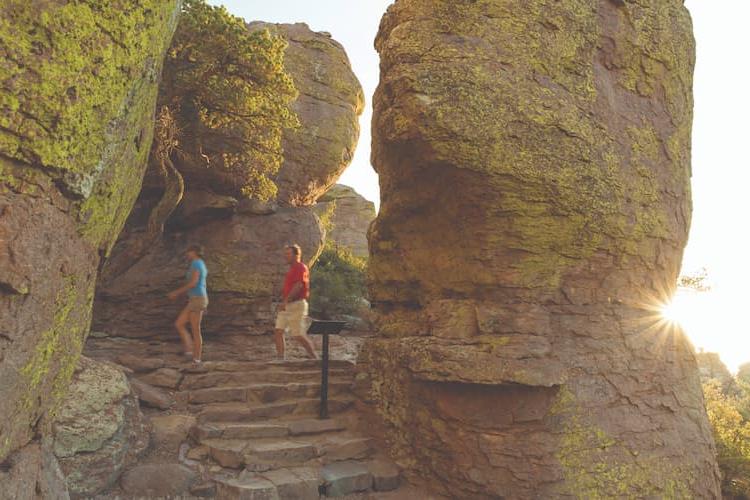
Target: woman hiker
{"x": 195, "y": 288}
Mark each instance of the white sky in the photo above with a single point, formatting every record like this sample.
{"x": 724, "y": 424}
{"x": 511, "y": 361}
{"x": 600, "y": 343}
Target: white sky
{"x": 721, "y": 162}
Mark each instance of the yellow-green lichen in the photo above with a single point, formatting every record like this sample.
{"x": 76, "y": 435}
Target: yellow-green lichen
{"x": 60, "y": 345}
{"x": 596, "y": 466}
{"x": 515, "y": 92}
{"x": 77, "y": 91}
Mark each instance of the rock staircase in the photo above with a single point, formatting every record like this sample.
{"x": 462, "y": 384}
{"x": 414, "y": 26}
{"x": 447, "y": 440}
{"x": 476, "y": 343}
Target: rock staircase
{"x": 257, "y": 435}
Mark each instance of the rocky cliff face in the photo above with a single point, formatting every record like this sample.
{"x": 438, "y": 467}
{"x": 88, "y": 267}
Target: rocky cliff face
{"x": 534, "y": 159}
{"x": 350, "y": 217}
{"x": 244, "y": 240}
{"x": 77, "y": 92}
{"x": 328, "y": 107}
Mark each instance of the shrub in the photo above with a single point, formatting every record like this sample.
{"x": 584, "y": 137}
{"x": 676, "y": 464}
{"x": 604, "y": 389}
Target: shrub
{"x": 338, "y": 282}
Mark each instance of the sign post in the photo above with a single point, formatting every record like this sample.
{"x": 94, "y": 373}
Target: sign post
{"x": 325, "y": 328}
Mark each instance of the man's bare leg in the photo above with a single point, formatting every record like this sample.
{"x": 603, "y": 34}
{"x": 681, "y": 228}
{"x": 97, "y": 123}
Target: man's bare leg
{"x": 278, "y": 337}
{"x": 179, "y": 324}
{"x": 308, "y": 345}
{"x": 195, "y": 326}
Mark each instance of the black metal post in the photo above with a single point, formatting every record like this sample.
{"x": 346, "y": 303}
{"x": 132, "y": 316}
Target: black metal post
{"x": 324, "y": 380}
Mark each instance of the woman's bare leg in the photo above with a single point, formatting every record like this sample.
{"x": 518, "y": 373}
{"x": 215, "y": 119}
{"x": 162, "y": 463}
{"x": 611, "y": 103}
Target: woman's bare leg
{"x": 308, "y": 345}
{"x": 180, "y": 324}
{"x": 195, "y": 326}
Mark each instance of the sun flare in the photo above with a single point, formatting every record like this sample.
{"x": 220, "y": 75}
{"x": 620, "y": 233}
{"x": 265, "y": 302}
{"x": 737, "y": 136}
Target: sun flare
{"x": 676, "y": 311}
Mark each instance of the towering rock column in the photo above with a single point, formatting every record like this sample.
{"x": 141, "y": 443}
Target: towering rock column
{"x": 78, "y": 85}
{"x": 534, "y": 159}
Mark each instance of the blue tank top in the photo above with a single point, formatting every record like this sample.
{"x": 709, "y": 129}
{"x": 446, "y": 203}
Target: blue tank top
{"x": 199, "y": 290}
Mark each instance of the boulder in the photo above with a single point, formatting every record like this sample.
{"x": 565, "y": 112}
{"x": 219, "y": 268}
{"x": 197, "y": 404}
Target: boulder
{"x": 98, "y": 429}
{"x": 350, "y": 216}
{"x": 169, "y": 378}
{"x": 158, "y": 480}
{"x": 534, "y": 160}
{"x": 328, "y": 107}
{"x": 246, "y": 267}
{"x": 152, "y": 396}
{"x": 75, "y": 134}
{"x": 171, "y": 430}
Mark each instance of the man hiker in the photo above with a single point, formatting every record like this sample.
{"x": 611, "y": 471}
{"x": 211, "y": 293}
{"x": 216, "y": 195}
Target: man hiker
{"x": 292, "y": 314}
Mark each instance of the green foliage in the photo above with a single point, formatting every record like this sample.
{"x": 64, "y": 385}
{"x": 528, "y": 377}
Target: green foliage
{"x": 338, "y": 282}
{"x": 230, "y": 94}
{"x": 728, "y": 415}
{"x": 697, "y": 281}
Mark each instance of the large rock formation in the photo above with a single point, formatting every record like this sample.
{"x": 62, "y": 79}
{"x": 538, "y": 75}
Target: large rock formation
{"x": 350, "y": 217}
{"x": 98, "y": 429}
{"x": 244, "y": 239}
{"x": 534, "y": 160}
{"x": 78, "y": 86}
{"x": 328, "y": 107}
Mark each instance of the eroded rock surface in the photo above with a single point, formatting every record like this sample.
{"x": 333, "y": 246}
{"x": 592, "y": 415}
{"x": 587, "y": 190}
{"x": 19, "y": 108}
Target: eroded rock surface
{"x": 77, "y": 91}
{"x": 534, "y": 160}
{"x": 351, "y": 216}
{"x": 328, "y": 107}
{"x": 244, "y": 255}
{"x": 98, "y": 429}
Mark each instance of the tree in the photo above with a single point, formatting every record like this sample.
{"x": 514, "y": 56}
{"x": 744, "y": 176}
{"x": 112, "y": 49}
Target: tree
{"x": 732, "y": 435}
{"x": 230, "y": 96}
{"x": 697, "y": 281}
{"x": 224, "y": 102}
{"x": 338, "y": 277}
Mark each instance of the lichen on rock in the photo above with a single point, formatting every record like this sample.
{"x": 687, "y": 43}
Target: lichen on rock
{"x": 77, "y": 89}
{"x": 98, "y": 428}
{"x": 535, "y": 164}
{"x": 328, "y": 107}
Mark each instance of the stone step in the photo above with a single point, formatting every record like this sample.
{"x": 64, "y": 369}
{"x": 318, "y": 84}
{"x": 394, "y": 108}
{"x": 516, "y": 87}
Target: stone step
{"x": 244, "y": 412}
{"x": 192, "y": 381}
{"x": 386, "y": 475}
{"x": 345, "y": 478}
{"x": 294, "y": 483}
{"x": 265, "y": 366}
{"x": 315, "y": 426}
{"x": 279, "y": 452}
{"x": 345, "y": 447}
{"x": 238, "y": 430}
{"x": 263, "y": 393}
{"x": 259, "y": 454}
{"x": 244, "y": 430}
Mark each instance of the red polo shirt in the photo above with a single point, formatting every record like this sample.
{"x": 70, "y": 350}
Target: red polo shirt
{"x": 298, "y": 273}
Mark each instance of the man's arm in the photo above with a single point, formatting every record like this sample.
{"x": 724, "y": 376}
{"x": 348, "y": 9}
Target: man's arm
{"x": 190, "y": 284}
{"x": 295, "y": 293}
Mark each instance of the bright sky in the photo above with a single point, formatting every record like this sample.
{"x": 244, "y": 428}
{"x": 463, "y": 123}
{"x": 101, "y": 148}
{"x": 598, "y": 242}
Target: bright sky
{"x": 721, "y": 163}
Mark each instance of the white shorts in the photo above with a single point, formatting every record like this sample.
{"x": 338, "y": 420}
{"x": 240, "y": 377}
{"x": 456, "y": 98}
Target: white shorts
{"x": 293, "y": 319}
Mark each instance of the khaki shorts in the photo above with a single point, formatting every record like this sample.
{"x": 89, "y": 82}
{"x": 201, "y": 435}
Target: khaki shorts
{"x": 293, "y": 319}
{"x": 197, "y": 304}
